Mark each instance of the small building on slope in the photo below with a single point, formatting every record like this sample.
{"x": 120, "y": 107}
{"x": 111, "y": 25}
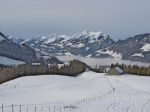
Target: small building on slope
{"x": 115, "y": 71}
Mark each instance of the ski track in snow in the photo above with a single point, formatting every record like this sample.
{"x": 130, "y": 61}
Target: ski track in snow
{"x": 131, "y": 105}
{"x": 112, "y": 107}
{"x": 119, "y": 95}
{"x": 144, "y": 106}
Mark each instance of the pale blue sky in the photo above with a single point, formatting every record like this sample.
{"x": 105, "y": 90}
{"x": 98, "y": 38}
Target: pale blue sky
{"x": 118, "y": 18}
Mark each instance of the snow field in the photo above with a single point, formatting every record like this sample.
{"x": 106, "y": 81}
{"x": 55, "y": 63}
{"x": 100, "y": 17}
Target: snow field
{"x": 89, "y": 92}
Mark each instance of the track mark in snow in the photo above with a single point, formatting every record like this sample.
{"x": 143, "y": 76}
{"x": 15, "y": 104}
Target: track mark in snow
{"x": 112, "y": 107}
{"x": 128, "y": 109}
{"x": 143, "y": 107}
{"x": 130, "y": 106}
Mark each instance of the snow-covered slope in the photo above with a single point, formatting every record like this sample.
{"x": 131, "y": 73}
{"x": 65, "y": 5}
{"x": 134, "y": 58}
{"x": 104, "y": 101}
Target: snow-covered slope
{"x": 146, "y": 47}
{"x": 89, "y": 92}
{"x": 9, "y": 61}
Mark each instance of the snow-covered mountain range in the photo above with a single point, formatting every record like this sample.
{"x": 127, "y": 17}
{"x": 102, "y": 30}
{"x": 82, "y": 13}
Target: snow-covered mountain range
{"x": 92, "y": 44}
{"x": 18, "y": 53}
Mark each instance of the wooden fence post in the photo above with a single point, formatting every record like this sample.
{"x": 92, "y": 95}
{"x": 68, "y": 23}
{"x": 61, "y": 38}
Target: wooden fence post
{"x": 42, "y": 109}
{"x": 54, "y": 108}
{"x": 49, "y": 109}
{"x": 20, "y": 108}
{"x": 27, "y": 108}
{"x": 35, "y": 109}
{"x": 2, "y": 108}
{"x": 60, "y": 108}
{"x": 64, "y": 108}
{"x": 12, "y": 108}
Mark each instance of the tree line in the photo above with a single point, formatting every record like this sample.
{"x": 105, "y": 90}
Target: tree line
{"x": 73, "y": 68}
{"x": 133, "y": 69}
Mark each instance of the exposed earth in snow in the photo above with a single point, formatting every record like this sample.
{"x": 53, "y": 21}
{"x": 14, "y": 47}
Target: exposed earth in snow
{"x": 89, "y": 92}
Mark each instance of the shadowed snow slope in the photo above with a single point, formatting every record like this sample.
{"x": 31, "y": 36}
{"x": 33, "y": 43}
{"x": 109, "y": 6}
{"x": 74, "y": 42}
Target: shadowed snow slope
{"x": 9, "y": 61}
{"x": 103, "y": 93}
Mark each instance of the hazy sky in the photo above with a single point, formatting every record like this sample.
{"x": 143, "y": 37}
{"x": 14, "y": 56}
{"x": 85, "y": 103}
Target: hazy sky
{"x": 118, "y": 18}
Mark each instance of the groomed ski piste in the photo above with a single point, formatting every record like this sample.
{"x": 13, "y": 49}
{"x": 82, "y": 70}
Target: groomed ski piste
{"x": 89, "y": 92}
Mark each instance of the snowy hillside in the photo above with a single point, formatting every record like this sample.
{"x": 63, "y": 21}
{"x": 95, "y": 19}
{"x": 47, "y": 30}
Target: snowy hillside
{"x": 9, "y": 61}
{"x": 146, "y": 47}
{"x": 89, "y": 92}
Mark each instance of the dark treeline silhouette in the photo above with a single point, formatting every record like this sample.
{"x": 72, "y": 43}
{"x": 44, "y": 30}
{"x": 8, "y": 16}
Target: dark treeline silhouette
{"x": 134, "y": 69}
{"x": 73, "y": 68}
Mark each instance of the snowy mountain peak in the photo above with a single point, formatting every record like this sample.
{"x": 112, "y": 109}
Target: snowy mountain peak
{"x": 92, "y": 34}
{"x": 49, "y": 38}
{"x": 43, "y": 38}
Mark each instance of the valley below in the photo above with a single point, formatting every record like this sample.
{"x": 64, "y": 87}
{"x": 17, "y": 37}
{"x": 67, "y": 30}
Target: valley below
{"x": 102, "y": 61}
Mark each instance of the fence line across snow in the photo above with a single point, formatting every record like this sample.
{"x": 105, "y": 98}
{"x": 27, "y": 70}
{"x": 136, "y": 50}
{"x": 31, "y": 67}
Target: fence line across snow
{"x": 57, "y": 107}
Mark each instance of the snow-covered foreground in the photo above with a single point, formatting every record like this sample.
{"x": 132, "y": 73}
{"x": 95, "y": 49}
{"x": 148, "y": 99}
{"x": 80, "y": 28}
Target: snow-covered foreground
{"x": 9, "y": 61}
{"x": 89, "y": 92}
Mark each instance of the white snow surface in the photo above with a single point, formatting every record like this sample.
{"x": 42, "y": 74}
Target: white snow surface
{"x": 89, "y": 92}
{"x": 146, "y": 47}
{"x": 67, "y": 54}
{"x": 138, "y": 55}
{"x": 25, "y": 41}
{"x": 111, "y": 53}
{"x": 88, "y": 56}
{"x": 93, "y": 36}
{"x": 9, "y": 61}
{"x": 50, "y": 39}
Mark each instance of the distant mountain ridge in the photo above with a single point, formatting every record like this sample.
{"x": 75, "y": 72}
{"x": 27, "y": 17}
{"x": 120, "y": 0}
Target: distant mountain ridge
{"x": 93, "y": 44}
{"x": 134, "y": 48}
{"x": 16, "y": 51}
{"x": 21, "y": 51}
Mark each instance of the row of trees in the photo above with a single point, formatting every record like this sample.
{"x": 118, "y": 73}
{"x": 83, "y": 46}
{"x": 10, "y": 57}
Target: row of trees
{"x": 7, "y": 73}
{"x": 133, "y": 69}
{"x": 74, "y": 68}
